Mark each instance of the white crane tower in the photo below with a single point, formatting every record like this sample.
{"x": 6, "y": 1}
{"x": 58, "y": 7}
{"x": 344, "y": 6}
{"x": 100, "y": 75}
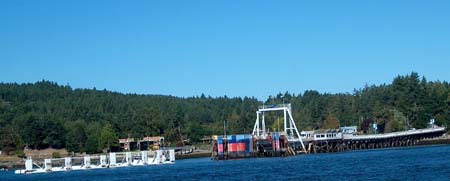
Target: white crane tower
{"x": 290, "y": 129}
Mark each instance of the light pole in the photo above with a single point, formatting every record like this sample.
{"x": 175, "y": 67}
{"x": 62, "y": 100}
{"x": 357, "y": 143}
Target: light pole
{"x": 225, "y": 128}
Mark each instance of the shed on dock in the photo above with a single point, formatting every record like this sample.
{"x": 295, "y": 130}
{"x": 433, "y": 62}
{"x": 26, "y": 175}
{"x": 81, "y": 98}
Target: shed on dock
{"x": 146, "y": 143}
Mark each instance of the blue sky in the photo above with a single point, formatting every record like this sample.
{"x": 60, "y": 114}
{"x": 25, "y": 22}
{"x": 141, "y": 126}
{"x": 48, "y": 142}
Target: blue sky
{"x": 234, "y": 48}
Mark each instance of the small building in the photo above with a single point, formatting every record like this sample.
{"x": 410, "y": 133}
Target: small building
{"x": 126, "y": 143}
{"x": 151, "y": 142}
{"x": 146, "y": 143}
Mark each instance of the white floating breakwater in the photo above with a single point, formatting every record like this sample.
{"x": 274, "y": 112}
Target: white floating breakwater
{"x": 114, "y": 159}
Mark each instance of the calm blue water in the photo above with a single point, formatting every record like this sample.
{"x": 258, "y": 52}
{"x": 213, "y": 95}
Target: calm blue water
{"x": 418, "y": 163}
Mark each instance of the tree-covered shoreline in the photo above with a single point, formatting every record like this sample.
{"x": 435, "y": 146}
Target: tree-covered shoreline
{"x": 44, "y": 114}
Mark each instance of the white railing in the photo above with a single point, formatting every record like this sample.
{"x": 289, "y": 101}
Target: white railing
{"x": 397, "y": 134}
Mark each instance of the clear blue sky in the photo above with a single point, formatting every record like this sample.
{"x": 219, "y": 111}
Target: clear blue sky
{"x": 234, "y": 48}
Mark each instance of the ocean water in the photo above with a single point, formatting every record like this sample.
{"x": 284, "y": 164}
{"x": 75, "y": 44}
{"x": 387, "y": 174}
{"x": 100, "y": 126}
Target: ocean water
{"x": 413, "y": 163}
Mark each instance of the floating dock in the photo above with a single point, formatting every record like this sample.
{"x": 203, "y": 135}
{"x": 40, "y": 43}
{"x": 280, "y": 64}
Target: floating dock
{"x": 291, "y": 142}
{"x": 112, "y": 160}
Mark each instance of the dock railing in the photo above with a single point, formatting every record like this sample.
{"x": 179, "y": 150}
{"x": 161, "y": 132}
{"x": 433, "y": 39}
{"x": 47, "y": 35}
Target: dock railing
{"x": 397, "y": 134}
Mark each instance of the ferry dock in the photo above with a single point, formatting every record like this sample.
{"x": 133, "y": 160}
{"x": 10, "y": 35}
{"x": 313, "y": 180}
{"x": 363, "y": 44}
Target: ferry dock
{"x": 292, "y": 142}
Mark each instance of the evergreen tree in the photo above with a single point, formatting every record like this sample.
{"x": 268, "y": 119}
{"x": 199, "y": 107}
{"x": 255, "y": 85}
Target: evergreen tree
{"x": 76, "y": 136}
{"x": 108, "y": 138}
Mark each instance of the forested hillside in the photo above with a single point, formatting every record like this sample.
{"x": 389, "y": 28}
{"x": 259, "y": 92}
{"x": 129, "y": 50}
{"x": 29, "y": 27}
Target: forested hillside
{"x": 45, "y": 114}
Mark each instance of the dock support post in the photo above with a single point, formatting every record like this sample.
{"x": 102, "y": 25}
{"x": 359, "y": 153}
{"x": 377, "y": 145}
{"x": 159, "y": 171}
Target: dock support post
{"x": 103, "y": 161}
{"x": 159, "y": 156}
{"x": 68, "y": 163}
{"x": 144, "y": 157}
{"x": 29, "y": 164}
{"x": 128, "y": 158}
{"x": 48, "y": 165}
{"x": 112, "y": 159}
{"x": 87, "y": 161}
{"x": 172, "y": 155}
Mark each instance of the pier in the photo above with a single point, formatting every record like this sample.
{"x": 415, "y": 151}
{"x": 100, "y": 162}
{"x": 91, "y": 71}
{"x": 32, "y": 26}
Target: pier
{"x": 345, "y": 142}
{"x": 292, "y": 142}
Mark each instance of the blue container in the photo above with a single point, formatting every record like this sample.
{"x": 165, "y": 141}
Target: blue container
{"x": 248, "y": 140}
{"x": 240, "y": 138}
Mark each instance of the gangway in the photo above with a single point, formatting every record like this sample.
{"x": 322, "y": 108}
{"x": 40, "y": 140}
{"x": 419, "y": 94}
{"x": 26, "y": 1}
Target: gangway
{"x": 290, "y": 129}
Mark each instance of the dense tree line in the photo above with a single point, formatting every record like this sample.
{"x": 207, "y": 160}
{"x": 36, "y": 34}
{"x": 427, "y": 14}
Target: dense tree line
{"x": 45, "y": 114}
